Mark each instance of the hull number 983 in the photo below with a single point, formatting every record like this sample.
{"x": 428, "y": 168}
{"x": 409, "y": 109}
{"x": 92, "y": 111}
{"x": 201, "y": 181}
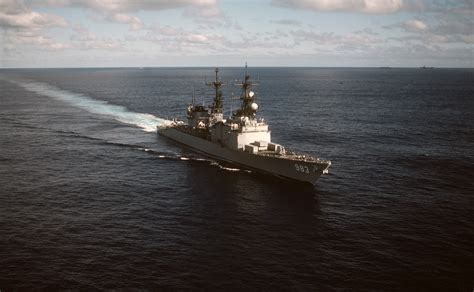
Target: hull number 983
{"x": 301, "y": 168}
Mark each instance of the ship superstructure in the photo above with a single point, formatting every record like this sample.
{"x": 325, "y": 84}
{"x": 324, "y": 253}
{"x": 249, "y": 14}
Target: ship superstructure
{"x": 243, "y": 139}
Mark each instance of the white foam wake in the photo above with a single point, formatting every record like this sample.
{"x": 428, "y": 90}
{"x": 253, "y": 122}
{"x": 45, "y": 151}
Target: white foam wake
{"x": 147, "y": 122}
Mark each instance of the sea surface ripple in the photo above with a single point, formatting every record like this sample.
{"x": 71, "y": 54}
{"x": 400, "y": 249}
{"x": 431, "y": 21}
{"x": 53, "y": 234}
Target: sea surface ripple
{"x": 92, "y": 199}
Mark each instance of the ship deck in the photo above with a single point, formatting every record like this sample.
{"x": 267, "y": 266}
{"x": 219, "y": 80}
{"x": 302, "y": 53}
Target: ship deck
{"x": 292, "y": 156}
{"x": 203, "y": 134}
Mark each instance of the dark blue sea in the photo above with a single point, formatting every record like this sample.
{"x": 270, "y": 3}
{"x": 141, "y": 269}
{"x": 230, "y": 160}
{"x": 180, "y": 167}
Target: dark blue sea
{"x": 91, "y": 198}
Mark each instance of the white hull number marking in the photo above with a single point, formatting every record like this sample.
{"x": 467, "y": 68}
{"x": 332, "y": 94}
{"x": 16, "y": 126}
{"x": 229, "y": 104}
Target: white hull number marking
{"x": 301, "y": 168}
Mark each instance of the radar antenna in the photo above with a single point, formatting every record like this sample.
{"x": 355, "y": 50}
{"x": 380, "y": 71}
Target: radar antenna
{"x": 217, "y": 105}
{"x": 247, "y": 96}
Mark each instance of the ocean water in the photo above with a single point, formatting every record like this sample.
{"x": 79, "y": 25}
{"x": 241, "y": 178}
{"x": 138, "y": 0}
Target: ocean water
{"x": 91, "y": 198}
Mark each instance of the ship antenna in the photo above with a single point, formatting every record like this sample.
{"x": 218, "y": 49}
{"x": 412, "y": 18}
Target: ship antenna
{"x": 194, "y": 96}
{"x": 246, "y": 78}
{"x": 217, "y": 84}
{"x": 217, "y": 80}
{"x": 247, "y": 96}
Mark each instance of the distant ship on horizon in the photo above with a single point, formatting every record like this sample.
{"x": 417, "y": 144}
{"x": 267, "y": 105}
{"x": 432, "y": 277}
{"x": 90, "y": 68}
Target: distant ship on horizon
{"x": 243, "y": 139}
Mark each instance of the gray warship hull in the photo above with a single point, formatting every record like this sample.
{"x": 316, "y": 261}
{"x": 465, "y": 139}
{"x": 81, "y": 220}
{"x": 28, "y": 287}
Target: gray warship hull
{"x": 296, "y": 170}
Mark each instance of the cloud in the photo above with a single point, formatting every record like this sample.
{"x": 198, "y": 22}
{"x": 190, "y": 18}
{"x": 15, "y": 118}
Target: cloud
{"x": 83, "y": 39}
{"x": 123, "y": 6}
{"x": 204, "y": 11}
{"x": 366, "y": 31}
{"x": 166, "y": 30}
{"x": 134, "y": 22}
{"x": 332, "y": 39}
{"x": 443, "y": 28}
{"x": 363, "y": 6}
{"x": 464, "y": 7}
{"x": 14, "y": 14}
{"x": 454, "y": 24}
{"x": 14, "y": 38}
{"x": 414, "y": 25}
{"x": 12, "y": 7}
{"x": 22, "y": 26}
{"x": 31, "y": 19}
{"x": 210, "y": 16}
{"x": 197, "y": 38}
{"x": 195, "y": 42}
{"x": 119, "y": 10}
{"x": 179, "y": 40}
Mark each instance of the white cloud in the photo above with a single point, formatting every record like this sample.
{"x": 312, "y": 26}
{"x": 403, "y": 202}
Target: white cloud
{"x": 197, "y": 38}
{"x": 207, "y": 11}
{"x": 165, "y": 30}
{"x": 194, "y": 42}
{"x": 364, "y": 6}
{"x": 332, "y": 39}
{"x": 444, "y": 28}
{"x": 172, "y": 39}
{"x": 16, "y": 38}
{"x": 134, "y": 22}
{"x": 207, "y": 30}
{"x": 21, "y": 27}
{"x": 83, "y": 39}
{"x": 31, "y": 19}
{"x": 14, "y": 14}
{"x": 119, "y": 10}
{"x": 210, "y": 17}
{"x": 414, "y": 25}
{"x": 82, "y": 34}
{"x": 124, "y": 5}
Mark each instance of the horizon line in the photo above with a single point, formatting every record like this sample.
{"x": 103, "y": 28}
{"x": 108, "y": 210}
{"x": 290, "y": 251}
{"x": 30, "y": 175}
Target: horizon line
{"x": 226, "y": 66}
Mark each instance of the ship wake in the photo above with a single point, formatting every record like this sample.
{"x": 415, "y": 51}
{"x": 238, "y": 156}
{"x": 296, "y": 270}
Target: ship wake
{"x": 190, "y": 158}
{"x": 147, "y": 122}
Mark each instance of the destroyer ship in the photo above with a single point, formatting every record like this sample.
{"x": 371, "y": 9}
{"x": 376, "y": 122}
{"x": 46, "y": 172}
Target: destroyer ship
{"x": 243, "y": 139}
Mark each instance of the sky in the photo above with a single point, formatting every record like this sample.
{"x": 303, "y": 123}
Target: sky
{"x": 167, "y": 33}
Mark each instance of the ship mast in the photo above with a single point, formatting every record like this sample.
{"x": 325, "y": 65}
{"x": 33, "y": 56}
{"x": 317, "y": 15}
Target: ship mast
{"x": 247, "y": 97}
{"x": 217, "y": 105}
